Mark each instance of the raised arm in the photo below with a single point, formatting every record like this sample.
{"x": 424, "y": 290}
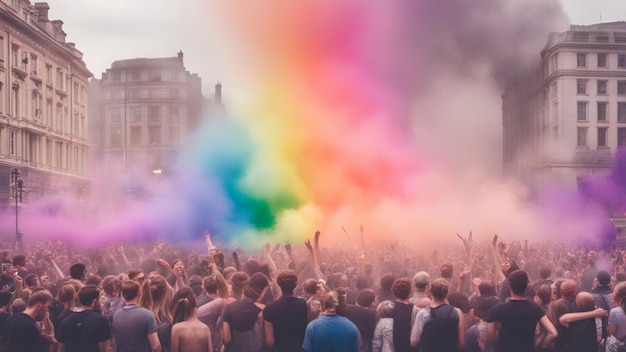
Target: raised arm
{"x": 292, "y": 258}
{"x": 314, "y": 263}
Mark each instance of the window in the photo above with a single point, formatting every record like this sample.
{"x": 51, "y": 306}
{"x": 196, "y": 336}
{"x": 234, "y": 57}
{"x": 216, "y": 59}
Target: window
{"x": 154, "y": 76}
{"x": 116, "y": 116}
{"x": 133, "y": 93}
{"x": 154, "y": 114}
{"x": 621, "y": 87}
{"x": 581, "y": 60}
{"x": 15, "y": 54}
{"x": 581, "y": 140}
{"x": 621, "y": 61}
{"x": 135, "y": 114}
{"x": 581, "y": 111}
{"x": 174, "y": 76}
{"x": 116, "y": 137}
{"x": 581, "y": 86}
{"x": 602, "y": 111}
{"x": 174, "y": 135}
{"x": 621, "y": 112}
{"x": 174, "y": 113}
{"x": 134, "y": 75}
{"x": 59, "y": 79}
{"x": 48, "y": 73}
{"x": 602, "y": 87}
{"x": 12, "y": 143}
{"x": 601, "y": 60}
{"x": 135, "y": 135}
{"x": 621, "y": 137}
{"x": 154, "y": 135}
{"x": 34, "y": 65}
{"x": 116, "y": 76}
{"x": 602, "y": 136}
{"x": 2, "y": 50}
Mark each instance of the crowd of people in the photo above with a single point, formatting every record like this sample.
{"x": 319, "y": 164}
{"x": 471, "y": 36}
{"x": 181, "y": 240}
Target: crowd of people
{"x": 489, "y": 295}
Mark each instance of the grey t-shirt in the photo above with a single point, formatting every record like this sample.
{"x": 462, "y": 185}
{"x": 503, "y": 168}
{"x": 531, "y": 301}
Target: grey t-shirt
{"x": 618, "y": 318}
{"x": 131, "y": 326}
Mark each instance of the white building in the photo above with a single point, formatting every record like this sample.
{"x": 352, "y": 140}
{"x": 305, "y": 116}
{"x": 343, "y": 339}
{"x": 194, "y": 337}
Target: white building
{"x": 565, "y": 121}
{"x": 43, "y": 105}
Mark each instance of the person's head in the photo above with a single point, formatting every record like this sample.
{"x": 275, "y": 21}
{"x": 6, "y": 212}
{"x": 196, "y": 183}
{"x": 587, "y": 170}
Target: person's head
{"x": 585, "y": 302}
{"x": 32, "y": 280}
{"x": 66, "y": 296}
{"x": 130, "y": 290}
{"x": 95, "y": 280}
{"x": 421, "y": 280}
{"x": 386, "y": 281}
{"x": 5, "y": 298}
{"x": 556, "y": 309}
{"x": 89, "y": 296}
{"x": 556, "y": 289}
{"x": 256, "y": 286}
{"x": 459, "y": 300}
{"x": 112, "y": 286}
{"x": 484, "y": 305}
{"x": 17, "y": 306}
{"x": 156, "y": 296}
{"x": 385, "y": 309}
{"x": 366, "y": 297}
{"x": 591, "y": 257}
{"x": 137, "y": 275}
{"x": 604, "y": 278}
{"x": 38, "y": 304}
{"x": 287, "y": 280}
{"x": 19, "y": 261}
{"x": 619, "y": 295}
{"x": 237, "y": 282}
{"x": 620, "y": 277}
{"x": 183, "y": 304}
{"x": 362, "y": 282}
{"x": 401, "y": 288}
{"x": 509, "y": 266}
{"x": 518, "y": 282}
{"x": 569, "y": 289}
{"x": 446, "y": 270}
{"x": 543, "y": 296}
{"x": 439, "y": 289}
{"x": 545, "y": 272}
{"x": 78, "y": 271}
{"x": 330, "y": 302}
{"x": 486, "y": 288}
{"x": 309, "y": 286}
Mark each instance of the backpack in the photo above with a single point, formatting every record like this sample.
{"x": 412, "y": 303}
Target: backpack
{"x": 441, "y": 332}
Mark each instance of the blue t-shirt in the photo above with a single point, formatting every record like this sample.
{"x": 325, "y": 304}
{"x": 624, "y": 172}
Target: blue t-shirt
{"x": 331, "y": 333}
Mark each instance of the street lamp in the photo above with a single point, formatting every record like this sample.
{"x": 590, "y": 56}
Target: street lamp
{"x": 18, "y": 190}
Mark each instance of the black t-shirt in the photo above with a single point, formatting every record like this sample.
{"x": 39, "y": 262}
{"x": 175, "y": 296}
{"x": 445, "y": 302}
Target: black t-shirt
{"x": 82, "y": 331}
{"x": 22, "y": 334}
{"x": 241, "y": 315}
{"x": 288, "y": 316}
{"x": 582, "y": 336}
{"x": 402, "y": 326}
{"x": 518, "y": 319}
{"x": 364, "y": 319}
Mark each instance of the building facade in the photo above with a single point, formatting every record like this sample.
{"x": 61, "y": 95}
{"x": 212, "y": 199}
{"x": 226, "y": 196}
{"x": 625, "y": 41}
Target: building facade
{"x": 565, "y": 121}
{"x": 141, "y": 112}
{"x": 43, "y": 106}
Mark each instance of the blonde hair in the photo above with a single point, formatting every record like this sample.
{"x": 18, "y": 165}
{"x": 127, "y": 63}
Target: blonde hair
{"x": 157, "y": 297}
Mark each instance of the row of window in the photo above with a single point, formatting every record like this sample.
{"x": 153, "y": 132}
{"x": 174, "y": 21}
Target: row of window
{"x": 154, "y": 136}
{"x": 601, "y": 87}
{"x": 602, "y": 134}
{"x": 145, "y": 76}
{"x": 601, "y": 60}
{"x": 154, "y": 115}
{"x": 582, "y": 108}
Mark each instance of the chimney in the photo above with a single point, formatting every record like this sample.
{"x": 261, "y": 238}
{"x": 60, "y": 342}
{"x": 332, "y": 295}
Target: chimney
{"x": 42, "y": 11}
{"x": 218, "y": 93}
{"x": 180, "y": 56}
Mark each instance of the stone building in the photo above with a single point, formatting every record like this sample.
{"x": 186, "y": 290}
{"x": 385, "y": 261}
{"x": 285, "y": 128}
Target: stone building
{"x": 43, "y": 106}
{"x": 565, "y": 120}
{"x": 141, "y": 112}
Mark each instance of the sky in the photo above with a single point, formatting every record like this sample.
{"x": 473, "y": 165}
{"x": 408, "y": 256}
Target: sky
{"x": 343, "y": 115}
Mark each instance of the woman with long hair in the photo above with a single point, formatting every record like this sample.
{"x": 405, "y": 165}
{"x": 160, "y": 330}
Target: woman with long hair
{"x": 617, "y": 317}
{"x": 188, "y": 333}
{"x": 157, "y": 297}
{"x": 211, "y": 313}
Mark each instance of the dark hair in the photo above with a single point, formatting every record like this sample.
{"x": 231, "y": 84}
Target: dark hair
{"x": 387, "y": 280}
{"x": 362, "y": 282}
{"x": 287, "y": 280}
{"x": 486, "y": 288}
{"x": 130, "y": 289}
{"x": 309, "y": 286}
{"x": 238, "y": 281}
{"x": 93, "y": 280}
{"x": 446, "y": 270}
{"x": 518, "y": 281}
{"x": 183, "y": 304}
{"x": 257, "y": 282}
{"x": 604, "y": 278}
{"x": 401, "y": 288}
{"x": 87, "y": 294}
{"x": 459, "y": 300}
{"x": 19, "y": 259}
{"x": 110, "y": 283}
{"x": 77, "y": 271}
{"x": 39, "y": 297}
{"x": 545, "y": 272}
{"x": 30, "y": 279}
{"x": 5, "y": 298}
{"x": 366, "y": 297}
{"x": 544, "y": 292}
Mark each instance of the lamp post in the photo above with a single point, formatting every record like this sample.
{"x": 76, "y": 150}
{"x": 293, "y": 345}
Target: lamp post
{"x": 18, "y": 190}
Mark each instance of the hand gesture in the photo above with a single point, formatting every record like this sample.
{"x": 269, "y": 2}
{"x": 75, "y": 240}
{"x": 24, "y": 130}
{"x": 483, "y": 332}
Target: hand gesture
{"x": 308, "y": 245}
{"x": 494, "y": 242}
{"x": 317, "y": 236}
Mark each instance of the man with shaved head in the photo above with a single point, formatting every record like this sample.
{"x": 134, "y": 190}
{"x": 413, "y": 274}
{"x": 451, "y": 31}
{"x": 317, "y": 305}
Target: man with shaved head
{"x": 582, "y": 333}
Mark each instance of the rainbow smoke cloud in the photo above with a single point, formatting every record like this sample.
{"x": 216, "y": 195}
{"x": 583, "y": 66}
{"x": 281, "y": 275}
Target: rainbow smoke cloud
{"x": 349, "y": 113}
